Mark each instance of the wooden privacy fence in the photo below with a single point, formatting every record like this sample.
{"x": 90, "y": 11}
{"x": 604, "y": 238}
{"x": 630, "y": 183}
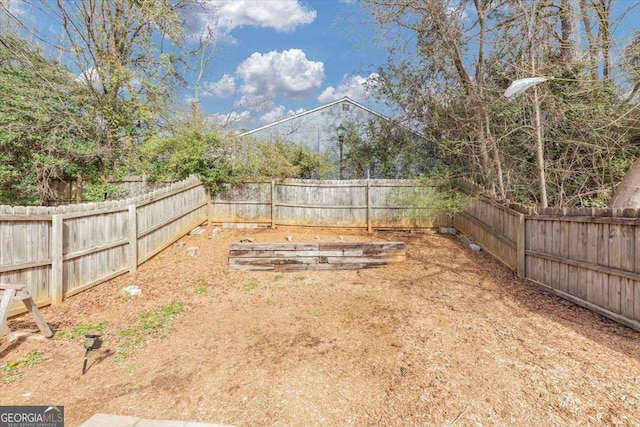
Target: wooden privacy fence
{"x": 60, "y": 251}
{"x": 327, "y": 203}
{"x": 588, "y": 256}
{"x": 68, "y": 191}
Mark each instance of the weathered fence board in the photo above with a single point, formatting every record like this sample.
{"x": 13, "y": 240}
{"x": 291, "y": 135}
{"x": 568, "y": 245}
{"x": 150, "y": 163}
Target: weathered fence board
{"x": 247, "y": 203}
{"x": 24, "y": 257}
{"x": 339, "y": 203}
{"x": 60, "y": 251}
{"x": 163, "y": 218}
{"x": 494, "y": 228}
{"x": 593, "y": 261}
{"x": 588, "y": 256}
{"x": 94, "y": 246}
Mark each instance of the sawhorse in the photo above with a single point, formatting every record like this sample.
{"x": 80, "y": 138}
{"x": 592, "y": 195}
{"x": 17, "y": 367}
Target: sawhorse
{"x": 10, "y": 293}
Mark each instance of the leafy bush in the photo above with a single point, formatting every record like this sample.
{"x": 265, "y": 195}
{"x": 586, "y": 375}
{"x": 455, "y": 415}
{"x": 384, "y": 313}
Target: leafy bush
{"x": 434, "y": 195}
{"x": 263, "y": 160}
{"x": 101, "y": 192}
{"x": 167, "y": 158}
{"x": 48, "y": 128}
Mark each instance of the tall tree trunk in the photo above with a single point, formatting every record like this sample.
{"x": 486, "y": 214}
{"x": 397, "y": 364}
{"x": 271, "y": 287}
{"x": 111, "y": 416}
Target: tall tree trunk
{"x": 570, "y": 24}
{"x": 537, "y": 124}
{"x": 496, "y": 156}
{"x": 603, "y": 7}
{"x": 537, "y": 121}
{"x": 591, "y": 39}
{"x": 483, "y": 124}
{"x": 484, "y": 153}
{"x": 627, "y": 194}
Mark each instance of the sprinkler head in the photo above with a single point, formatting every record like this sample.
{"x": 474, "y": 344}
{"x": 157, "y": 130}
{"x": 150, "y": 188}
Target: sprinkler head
{"x": 92, "y": 342}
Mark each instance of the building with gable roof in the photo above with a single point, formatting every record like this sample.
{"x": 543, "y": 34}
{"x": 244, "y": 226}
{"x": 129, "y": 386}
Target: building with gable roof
{"x": 318, "y": 130}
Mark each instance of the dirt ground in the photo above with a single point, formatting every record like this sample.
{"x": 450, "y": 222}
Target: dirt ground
{"x": 449, "y": 337}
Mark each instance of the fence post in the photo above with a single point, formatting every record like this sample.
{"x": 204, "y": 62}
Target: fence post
{"x": 57, "y": 238}
{"x": 521, "y": 267}
{"x": 368, "y": 206}
{"x": 273, "y": 203}
{"x": 133, "y": 239}
{"x": 209, "y": 211}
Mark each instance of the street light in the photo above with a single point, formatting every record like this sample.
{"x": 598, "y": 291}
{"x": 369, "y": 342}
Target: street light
{"x": 340, "y": 131}
{"x": 517, "y": 87}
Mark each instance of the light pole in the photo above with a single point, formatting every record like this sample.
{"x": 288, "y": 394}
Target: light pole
{"x": 516, "y": 88}
{"x": 340, "y": 131}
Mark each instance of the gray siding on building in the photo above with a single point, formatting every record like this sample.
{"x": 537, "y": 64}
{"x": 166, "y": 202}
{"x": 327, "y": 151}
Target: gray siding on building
{"x": 316, "y": 129}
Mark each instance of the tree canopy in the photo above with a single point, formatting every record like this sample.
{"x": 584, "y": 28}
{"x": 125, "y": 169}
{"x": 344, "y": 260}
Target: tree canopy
{"x": 567, "y": 141}
{"x": 121, "y": 50}
{"x": 47, "y": 130}
{"x": 91, "y": 122}
{"x": 448, "y": 67}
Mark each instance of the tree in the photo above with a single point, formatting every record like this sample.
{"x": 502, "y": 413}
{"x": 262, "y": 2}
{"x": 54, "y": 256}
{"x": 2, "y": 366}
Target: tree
{"x": 256, "y": 160}
{"x": 632, "y": 59}
{"x": 443, "y": 70}
{"x": 187, "y": 152}
{"x": 586, "y": 144}
{"x": 120, "y": 46}
{"x": 217, "y": 161}
{"x": 449, "y": 64}
{"x": 46, "y": 126}
{"x": 627, "y": 194}
{"x": 384, "y": 149}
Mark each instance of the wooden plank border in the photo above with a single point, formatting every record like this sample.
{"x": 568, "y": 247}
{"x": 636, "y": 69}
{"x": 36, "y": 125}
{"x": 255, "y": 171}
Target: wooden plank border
{"x": 315, "y": 256}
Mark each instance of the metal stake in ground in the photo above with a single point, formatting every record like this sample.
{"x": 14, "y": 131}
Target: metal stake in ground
{"x": 91, "y": 342}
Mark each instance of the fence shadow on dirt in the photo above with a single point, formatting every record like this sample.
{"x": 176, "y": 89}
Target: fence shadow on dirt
{"x": 539, "y": 301}
{"x": 458, "y": 266}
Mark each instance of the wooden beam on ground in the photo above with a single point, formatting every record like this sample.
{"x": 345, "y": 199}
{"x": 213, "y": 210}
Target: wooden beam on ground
{"x": 315, "y": 256}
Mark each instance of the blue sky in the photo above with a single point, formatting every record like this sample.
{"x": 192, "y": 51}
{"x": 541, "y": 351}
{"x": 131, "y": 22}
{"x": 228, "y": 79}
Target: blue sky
{"x": 271, "y": 58}
{"x": 278, "y": 57}
{"x": 275, "y": 58}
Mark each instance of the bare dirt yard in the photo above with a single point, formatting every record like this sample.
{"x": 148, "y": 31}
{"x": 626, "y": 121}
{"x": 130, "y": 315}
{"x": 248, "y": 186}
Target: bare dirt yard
{"x": 449, "y": 337}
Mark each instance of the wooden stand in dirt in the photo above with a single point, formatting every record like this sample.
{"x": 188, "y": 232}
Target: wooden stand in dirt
{"x": 9, "y": 293}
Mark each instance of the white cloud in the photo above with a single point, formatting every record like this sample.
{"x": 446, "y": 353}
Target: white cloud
{"x": 15, "y": 8}
{"x": 272, "y": 116}
{"x": 230, "y": 120}
{"x": 254, "y": 102}
{"x": 355, "y": 87}
{"x": 225, "y": 87}
{"x": 91, "y": 77}
{"x": 281, "y": 15}
{"x": 288, "y": 73}
{"x": 293, "y": 113}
